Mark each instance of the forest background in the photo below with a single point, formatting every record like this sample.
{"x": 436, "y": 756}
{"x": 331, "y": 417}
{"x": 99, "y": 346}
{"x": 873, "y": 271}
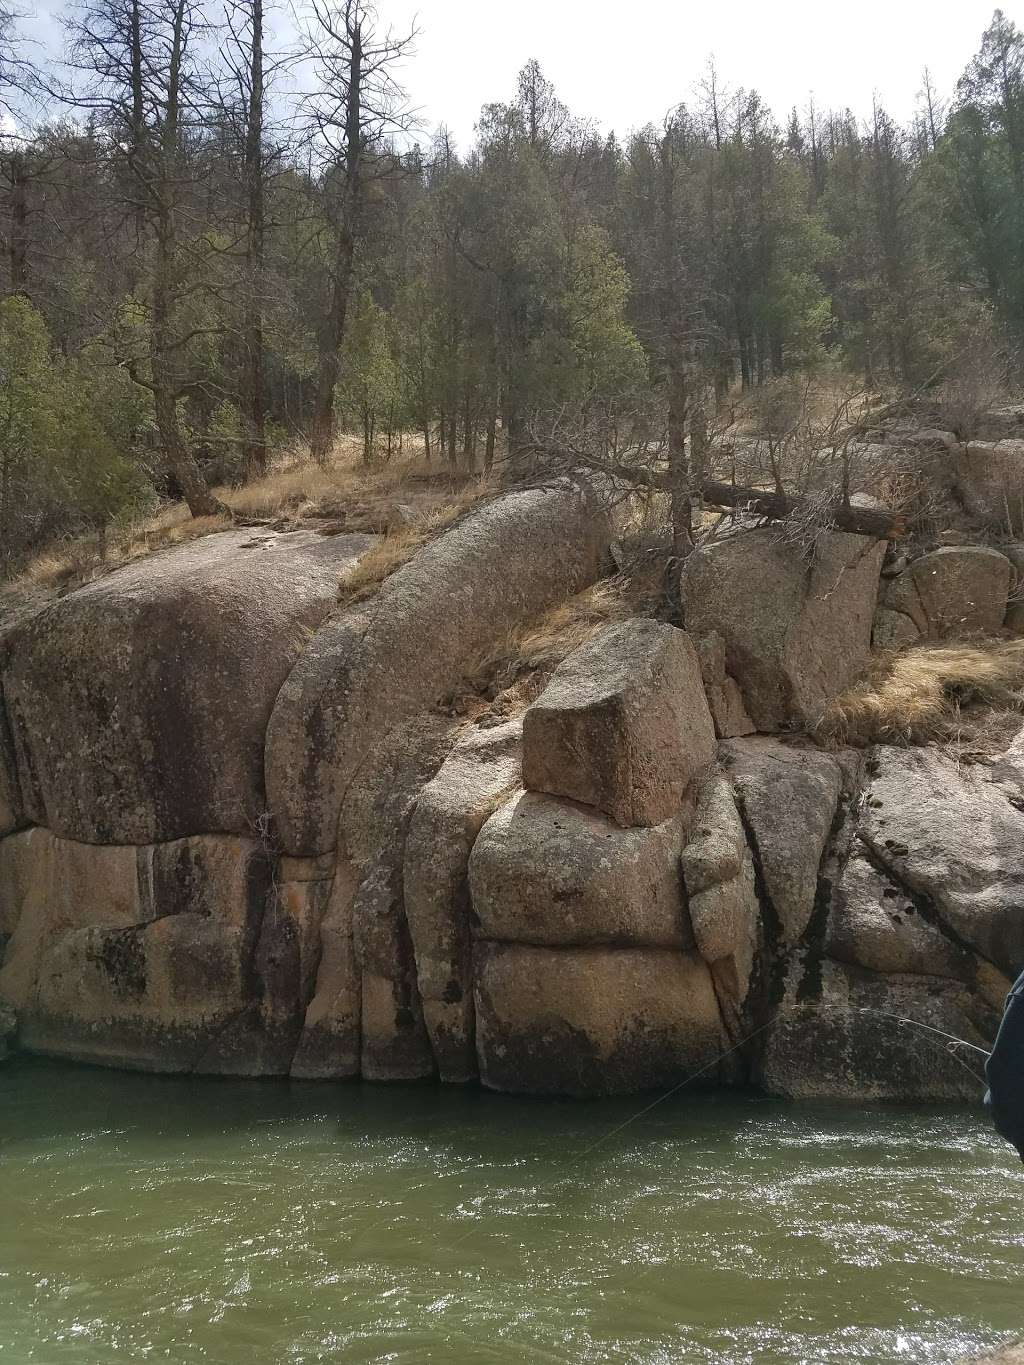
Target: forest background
{"x": 219, "y": 255}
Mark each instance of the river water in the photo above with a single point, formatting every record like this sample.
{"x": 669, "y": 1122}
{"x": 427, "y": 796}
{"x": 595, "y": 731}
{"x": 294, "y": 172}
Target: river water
{"x": 260, "y": 1223}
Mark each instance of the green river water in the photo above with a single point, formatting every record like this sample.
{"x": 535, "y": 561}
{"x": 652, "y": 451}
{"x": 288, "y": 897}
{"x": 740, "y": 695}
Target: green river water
{"x": 247, "y": 1223}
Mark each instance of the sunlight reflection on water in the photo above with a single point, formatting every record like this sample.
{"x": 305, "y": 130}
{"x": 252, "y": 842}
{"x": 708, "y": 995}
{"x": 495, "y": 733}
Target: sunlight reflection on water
{"x": 174, "y": 1219}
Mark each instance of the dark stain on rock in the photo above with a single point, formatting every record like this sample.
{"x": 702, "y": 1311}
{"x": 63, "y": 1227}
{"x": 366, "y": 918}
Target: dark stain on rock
{"x": 122, "y": 956}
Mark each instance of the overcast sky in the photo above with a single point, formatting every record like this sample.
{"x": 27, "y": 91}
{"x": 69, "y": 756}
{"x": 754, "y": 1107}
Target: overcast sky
{"x": 627, "y": 63}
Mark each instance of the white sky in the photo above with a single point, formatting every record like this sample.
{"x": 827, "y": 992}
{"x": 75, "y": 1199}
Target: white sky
{"x": 627, "y": 63}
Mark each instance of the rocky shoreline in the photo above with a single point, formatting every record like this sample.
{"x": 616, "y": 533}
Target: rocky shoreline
{"x": 241, "y": 837}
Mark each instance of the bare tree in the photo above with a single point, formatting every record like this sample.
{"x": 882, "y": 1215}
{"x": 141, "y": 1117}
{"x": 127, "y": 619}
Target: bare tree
{"x": 355, "y": 111}
{"x": 243, "y": 106}
{"x": 138, "y": 68}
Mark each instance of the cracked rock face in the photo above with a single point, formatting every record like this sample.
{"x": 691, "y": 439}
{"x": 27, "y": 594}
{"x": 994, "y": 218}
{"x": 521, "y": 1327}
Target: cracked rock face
{"x": 796, "y": 634}
{"x": 653, "y": 906}
{"x": 955, "y": 836}
{"x": 481, "y": 771}
{"x": 926, "y": 921}
{"x": 138, "y": 705}
{"x": 131, "y": 954}
{"x": 788, "y": 797}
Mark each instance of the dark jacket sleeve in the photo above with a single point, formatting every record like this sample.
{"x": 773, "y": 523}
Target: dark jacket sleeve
{"x": 1004, "y": 1071}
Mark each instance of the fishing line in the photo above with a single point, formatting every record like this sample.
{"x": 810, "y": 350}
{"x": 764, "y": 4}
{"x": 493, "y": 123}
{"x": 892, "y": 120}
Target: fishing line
{"x": 906, "y": 1019}
{"x": 953, "y": 1043}
{"x": 792, "y": 1009}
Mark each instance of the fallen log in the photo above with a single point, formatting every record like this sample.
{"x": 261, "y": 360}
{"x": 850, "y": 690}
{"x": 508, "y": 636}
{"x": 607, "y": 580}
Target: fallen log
{"x": 879, "y": 523}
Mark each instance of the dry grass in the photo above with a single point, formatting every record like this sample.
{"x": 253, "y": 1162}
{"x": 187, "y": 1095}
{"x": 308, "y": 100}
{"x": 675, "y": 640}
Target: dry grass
{"x": 505, "y": 681}
{"x": 547, "y": 642}
{"x": 297, "y": 488}
{"x": 84, "y": 557}
{"x": 345, "y": 492}
{"x": 938, "y": 693}
{"x": 401, "y": 543}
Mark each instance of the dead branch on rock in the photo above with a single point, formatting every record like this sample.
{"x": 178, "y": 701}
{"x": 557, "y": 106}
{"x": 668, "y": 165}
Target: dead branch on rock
{"x": 565, "y": 455}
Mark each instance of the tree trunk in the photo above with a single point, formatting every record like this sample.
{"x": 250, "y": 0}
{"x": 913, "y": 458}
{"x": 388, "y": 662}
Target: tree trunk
{"x": 333, "y": 331}
{"x": 468, "y": 438}
{"x": 678, "y": 473}
{"x": 163, "y": 354}
{"x": 329, "y": 364}
{"x": 254, "y": 449}
{"x": 19, "y": 223}
{"x": 180, "y": 461}
{"x": 862, "y": 521}
{"x": 492, "y": 423}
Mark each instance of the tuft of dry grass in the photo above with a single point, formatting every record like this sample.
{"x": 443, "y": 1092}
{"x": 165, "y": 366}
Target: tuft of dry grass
{"x": 930, "y": 694}
{"x": 401, "y": 543}
{"x": 505, "y": 681}
{"x": 571, "y": 624}
{"x": 297, "y": 488}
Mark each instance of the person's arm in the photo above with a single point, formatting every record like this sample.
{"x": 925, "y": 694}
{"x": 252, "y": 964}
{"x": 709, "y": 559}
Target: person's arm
{"x": 1004, "y": 1071}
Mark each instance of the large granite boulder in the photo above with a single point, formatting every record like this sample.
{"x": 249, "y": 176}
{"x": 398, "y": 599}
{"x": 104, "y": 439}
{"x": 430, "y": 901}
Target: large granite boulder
{"x": 990, "y": 480}
{"x": 136, "y": 956}
{"x": 953, "y": 835}
{"x": 839, "y": 1034}
{"x": 138, "y": 704}
{"x": 893, "y": 630}
{"x": 955, "y": 591}
{"x": 481, "y": 771}
{"x": 1003, "y": 421}
{"x": 788, "y": 795}
{"x": 796, "y": 633}
{"x": 375, "y": 666}
{"x": 593, "y": 1021}
{"x": 623, "y": 725}
{"x": 546, "y": 871}
{"x": 1015, "y": 608}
